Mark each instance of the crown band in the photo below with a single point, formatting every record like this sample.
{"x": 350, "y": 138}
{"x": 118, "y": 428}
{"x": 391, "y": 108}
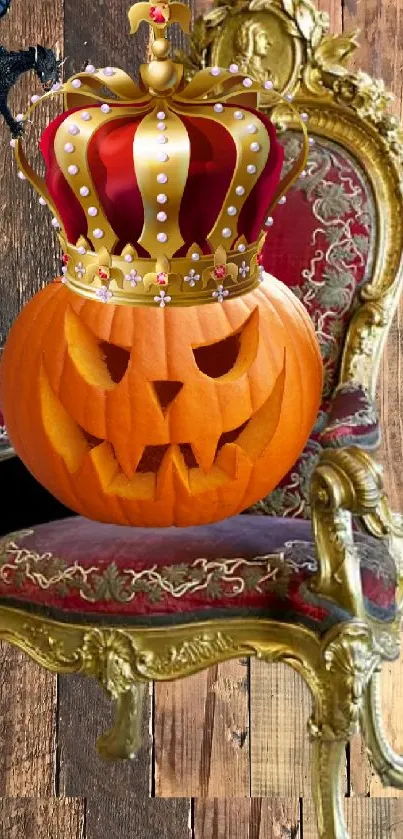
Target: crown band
{"x": 188, "y": 281}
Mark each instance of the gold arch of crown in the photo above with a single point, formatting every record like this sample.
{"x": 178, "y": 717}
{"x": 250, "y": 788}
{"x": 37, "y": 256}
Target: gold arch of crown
{"x": 91, "y": 268}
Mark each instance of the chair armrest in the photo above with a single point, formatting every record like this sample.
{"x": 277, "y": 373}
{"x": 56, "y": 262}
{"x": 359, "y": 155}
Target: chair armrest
{"x": 346, "y": 482}
{"x": 352, "y": 419}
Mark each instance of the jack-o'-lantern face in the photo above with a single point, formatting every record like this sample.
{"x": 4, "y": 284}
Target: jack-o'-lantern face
{"x": 180, "y": 416}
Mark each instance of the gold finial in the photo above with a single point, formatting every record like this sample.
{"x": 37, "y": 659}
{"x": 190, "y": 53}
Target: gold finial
{"x": 159, "y": 15}
{"x": 161, "y": 75}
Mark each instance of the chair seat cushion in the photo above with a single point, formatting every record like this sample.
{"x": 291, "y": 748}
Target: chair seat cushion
{"x": 244, "y": 566}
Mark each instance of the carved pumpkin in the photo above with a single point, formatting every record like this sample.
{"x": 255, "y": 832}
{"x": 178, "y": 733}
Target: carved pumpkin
{"x": 163, "y": 383}
{"x": 160, "y": 416}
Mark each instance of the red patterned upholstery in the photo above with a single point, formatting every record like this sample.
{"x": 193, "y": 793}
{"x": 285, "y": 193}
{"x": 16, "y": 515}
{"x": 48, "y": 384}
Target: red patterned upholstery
{"x": 243, "y": 566}
{"x": 321, "y": 245}
{"x": 352, "y": 419}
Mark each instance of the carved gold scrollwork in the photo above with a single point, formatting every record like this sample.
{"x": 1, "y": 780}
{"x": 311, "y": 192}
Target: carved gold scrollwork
{"x": 175, "y": 660}
{"x": 117, "y": 659}
{"x": 349, "y": 482}
{"x": 110, "y": 656}
{"x": 350, "y": 658}
{"x": 257, "y": 32}
{"x": 48, "y": 648}
{"x": 388, "y": 764}
{"x": 345, "y": 481}
{"x": 336, "y": 667}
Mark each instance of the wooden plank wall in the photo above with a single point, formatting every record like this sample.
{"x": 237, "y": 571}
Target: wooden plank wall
{"x": 239, "y": 729}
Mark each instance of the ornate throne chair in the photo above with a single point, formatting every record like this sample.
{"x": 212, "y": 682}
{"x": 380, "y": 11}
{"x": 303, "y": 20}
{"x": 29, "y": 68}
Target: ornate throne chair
{"x": 310, "y": 575}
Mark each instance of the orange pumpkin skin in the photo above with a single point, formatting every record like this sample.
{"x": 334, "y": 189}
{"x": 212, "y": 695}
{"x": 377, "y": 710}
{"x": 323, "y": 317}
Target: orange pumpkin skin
{"x": 85, "y": 415}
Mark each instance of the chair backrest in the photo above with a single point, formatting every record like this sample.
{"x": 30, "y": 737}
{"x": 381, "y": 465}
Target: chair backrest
{"x": 338, "y": 240}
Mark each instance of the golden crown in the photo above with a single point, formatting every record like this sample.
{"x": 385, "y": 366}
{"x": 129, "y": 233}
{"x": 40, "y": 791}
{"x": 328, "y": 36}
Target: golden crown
{"x": 161, "y": 191}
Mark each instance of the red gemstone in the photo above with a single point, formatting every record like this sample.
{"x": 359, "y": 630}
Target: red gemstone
{"x": 157, "y": 14}
{"x": 103, "y": 273}
{"x": 162, "y": 278}
{"x": 65, "y": 258}
{"x": 220, "y": 271}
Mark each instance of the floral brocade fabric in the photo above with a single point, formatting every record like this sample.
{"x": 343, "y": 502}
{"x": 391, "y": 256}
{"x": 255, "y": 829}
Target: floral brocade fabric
{"x": 321, "y": 246}
{"x": 352, "y": 419}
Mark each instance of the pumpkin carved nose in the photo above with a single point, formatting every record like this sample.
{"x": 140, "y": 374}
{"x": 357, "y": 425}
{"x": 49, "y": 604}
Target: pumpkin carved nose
{"x": 165, "y": 392}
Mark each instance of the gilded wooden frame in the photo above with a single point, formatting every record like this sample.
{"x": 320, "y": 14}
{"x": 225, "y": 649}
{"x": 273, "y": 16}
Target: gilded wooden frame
{"x": 342, "y": 667}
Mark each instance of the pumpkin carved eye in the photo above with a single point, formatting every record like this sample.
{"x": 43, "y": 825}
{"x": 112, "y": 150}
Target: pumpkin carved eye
{"x": 101, "y": 363}
{"x": 116, "y": 360}
{"x": 231, "y": 357}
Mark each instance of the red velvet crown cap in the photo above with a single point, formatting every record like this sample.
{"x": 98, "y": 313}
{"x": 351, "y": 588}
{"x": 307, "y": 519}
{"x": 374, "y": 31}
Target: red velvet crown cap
{"x": 211, "y": 170}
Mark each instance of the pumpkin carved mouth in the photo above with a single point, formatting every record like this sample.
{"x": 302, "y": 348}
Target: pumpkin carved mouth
{"x": 197, "y": 465}
{"x": 167, "y": 417}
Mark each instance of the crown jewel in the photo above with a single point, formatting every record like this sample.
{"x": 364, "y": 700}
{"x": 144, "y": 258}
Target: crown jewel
{"x": 162, "y": 190}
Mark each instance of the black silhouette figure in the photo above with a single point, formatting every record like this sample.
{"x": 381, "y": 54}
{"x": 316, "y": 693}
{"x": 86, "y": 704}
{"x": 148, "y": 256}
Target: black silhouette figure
{"x": 14, "y": 64}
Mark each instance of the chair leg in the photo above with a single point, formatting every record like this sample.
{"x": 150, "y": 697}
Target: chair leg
{"x": 124, "y": 738}
{"x": 328, "y": 759}
{"x": 387, "y": 763}
{"x": 348, "y": 660}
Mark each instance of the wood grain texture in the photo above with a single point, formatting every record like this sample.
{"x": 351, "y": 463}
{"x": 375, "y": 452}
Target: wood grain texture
{"x": 280, "y": 705}
{"x": 27, "y": 726}
{"x": 380, "y": 22}
{"x": 99, "y": 34}
{"x": 27, "y": 260}
{"x": 243, "y": 818}
{"x": 375, "y": 819}
{"x": 28, "y": 245}
{"x": 135, "y": 818}
{"x": 334, "y": 8}
{"x": 84, "y": 713}
{"x": 366, "y": 818}
{"x": 202, "y": 734}
{"x": 25, "y": 818}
